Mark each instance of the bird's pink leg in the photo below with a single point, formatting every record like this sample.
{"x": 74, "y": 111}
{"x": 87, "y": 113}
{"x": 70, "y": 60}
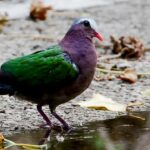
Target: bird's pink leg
{"x": 39, "y": 108}
{"x": 65, "y": 125}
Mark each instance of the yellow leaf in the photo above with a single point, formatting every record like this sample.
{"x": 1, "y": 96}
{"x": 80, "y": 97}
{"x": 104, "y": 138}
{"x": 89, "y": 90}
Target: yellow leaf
{"x": 33, "y": 147}
{"x": 8, "y": 143}
{"x": 146, "y": 93}
{"x": 101, "y": 102}
{"x": 5, "y": 143}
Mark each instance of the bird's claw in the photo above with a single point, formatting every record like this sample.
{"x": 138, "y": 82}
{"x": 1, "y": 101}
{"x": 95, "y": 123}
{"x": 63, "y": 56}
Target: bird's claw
{"x": 57, "y": 127}
{"x": 60, "y": 128}
{"x": 46, "y": 125}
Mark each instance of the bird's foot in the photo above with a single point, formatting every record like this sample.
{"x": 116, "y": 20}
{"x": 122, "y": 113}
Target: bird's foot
{"x": 45, "y": 125}
{"x": 67, "y": 128}
{"x": 57, "y": 127}
{"x": 60, "y": 128}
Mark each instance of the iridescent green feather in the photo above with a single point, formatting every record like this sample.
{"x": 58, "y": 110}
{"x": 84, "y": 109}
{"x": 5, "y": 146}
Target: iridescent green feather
{"x": 45, "y": 68}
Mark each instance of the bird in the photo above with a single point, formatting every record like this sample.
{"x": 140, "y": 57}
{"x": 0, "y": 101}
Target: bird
{"x": 55, "y": 75}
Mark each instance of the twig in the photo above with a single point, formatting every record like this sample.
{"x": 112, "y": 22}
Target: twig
{"x": 136, "y": 117}
{"x": 109, "y": 71}
{"x": 110, "y": 57}
{"x": 122, "y": 72}
{"x": 146, "y": 49}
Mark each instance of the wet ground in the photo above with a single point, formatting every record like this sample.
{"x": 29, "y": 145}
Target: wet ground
{"x": 122, "y": 133}
{"x": 19, "y": 37}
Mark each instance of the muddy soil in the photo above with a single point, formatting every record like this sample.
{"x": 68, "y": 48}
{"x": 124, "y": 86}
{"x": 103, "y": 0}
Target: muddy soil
{"x": 120, "y": 18}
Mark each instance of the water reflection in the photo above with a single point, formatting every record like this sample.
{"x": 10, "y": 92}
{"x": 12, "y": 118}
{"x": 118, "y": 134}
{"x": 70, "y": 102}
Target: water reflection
{"x": 122, "y": 133}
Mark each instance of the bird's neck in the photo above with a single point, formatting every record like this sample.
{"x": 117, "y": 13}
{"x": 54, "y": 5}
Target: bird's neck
{"x": 80, "y": 48}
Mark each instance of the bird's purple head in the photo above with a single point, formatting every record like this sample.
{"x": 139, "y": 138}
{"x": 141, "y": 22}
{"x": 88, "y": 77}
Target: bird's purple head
{"x": 88, "y": 26}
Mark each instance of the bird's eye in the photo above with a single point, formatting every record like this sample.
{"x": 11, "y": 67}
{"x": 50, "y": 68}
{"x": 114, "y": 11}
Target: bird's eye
{"x": 86, "y": 23}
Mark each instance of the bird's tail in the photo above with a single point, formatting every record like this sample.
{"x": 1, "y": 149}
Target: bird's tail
{"x": 5, "y": 85}
{"x": 6, "y": 89}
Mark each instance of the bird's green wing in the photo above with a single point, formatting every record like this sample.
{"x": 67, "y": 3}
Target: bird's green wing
{"x": 51, "y": 67}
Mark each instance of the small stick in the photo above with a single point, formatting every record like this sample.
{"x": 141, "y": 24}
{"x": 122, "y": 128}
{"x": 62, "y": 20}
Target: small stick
{"x": 121, "y": 72}
{"x": 108, "y": 57}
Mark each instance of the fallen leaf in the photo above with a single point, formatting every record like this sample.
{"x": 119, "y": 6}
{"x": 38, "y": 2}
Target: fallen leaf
{"x": 146, "y": 93}
{"x": 109, "y": 77}
{"x": 5, "y": 143}
{"x": 3, "y": 21}
{"x": 1, "y": 142}
{"x": 101, "y": 102}
{"x": 38, "y": 10}
{"x": 121, "y": 66}
{"x": 117, "y": 47}
{"x": 98, "y": 78}
{"x": 129, "y": 47}
{"x": 129, "y": 76}
{"x": 130, "y": 106}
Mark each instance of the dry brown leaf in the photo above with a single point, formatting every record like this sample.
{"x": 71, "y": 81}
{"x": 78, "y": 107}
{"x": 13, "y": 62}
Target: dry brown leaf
{"x": 98, "y": 78}
{"x": 38, "y": 10}
{"x": 129, "y": 76}
{"x": 3, "y": 21}
{"x": 129, "y": 47}
{"x": 1, "y": 142}
{"x": 104, "y": 77}
{"x": 116, "y": 45}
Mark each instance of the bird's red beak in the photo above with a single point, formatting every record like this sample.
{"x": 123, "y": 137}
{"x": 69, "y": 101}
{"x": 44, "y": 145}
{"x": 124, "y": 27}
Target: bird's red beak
{"x": 97, "y": 35}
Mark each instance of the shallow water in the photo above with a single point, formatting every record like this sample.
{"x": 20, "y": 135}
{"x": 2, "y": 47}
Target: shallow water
{"x": 123, "y": 133}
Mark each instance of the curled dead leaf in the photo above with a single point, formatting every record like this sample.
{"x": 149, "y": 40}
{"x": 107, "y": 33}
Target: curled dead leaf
{"x": 3, "y": 21}
{"x": 129, "y": 76}
{"x": 38, "y": 10}
{"x": 1, "y": 142}
{"x": 121, "y": 66}
{"x": 129, "y": 47}
{"x": 117, "y": 47}
{"x": 98, "y": 78}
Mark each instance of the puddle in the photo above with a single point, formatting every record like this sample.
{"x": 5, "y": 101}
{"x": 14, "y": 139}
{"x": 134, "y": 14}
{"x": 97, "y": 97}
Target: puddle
{"x": 122, "y": 133}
